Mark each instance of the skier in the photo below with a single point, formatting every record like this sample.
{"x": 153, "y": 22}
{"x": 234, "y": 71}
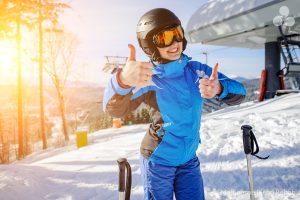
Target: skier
{"x": 173, "y": 87}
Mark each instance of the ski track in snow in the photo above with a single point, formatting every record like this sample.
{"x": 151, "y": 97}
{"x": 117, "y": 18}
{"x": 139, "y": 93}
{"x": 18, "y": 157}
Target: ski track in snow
{"x": 91, "y": 172}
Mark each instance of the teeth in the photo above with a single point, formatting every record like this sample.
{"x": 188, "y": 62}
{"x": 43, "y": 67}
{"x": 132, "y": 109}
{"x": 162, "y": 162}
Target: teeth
{"x": 173, "y": 50}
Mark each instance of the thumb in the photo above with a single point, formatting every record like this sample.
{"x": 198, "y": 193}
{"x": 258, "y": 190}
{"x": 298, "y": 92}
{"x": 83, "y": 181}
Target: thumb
{"x": 214, "y": 73}
{"x": 132, "y": 55}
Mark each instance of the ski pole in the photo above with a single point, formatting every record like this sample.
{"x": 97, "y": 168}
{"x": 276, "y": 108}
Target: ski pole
{"x": 124, "y": 189}
{"x": 248, "y": 150}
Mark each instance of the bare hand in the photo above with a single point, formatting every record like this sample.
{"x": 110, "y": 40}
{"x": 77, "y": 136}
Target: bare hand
{"x": 134, "y": 73}
{"x": 211, "y": 87}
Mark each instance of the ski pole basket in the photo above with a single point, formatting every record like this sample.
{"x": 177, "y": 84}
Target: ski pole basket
{"x": 124, "y": 188}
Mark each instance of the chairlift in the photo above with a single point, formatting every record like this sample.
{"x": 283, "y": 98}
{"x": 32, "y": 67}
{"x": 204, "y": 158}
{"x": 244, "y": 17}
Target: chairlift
{"x": 290, "y": 50}
{"x": 289, "y": 45}
{"x": 113, "y": 63}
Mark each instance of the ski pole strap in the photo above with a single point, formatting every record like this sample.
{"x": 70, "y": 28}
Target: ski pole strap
{"x": 256, "y": 146}
{"x": 249, "y": 140}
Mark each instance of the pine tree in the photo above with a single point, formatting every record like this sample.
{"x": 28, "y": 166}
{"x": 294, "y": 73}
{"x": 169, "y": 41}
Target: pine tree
{"x": 129, "y": 119}
{"x": 145, "y": 116}
{"x": 138, "y": 119}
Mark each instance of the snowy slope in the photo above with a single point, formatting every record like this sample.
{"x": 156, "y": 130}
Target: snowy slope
{"x": 91, "y": 172}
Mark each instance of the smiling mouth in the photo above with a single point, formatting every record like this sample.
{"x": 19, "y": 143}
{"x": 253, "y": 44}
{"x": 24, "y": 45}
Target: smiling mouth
{"x": 175, "y": 50}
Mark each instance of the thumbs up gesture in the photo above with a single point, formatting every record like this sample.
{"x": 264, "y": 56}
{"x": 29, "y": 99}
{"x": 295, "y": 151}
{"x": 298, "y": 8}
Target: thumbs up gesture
{"x": 134, "y": 73}
{"x": 211, "y": 87}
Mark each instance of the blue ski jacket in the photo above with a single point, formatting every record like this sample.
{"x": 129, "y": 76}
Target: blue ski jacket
{"x": 175, "y": 105}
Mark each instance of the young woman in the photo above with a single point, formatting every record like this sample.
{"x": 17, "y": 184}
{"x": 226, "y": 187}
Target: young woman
{"x": 173, "y": 88}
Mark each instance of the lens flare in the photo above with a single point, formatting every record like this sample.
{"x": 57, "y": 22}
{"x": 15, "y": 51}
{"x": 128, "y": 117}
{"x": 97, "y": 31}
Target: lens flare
{"x": 8, "y": 64}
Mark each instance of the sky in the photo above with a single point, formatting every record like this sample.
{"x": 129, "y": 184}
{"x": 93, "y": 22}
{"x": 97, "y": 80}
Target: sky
{"x": 104, "y": 28}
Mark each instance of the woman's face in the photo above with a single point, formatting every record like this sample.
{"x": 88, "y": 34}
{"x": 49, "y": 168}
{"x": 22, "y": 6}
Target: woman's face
{"x": 172, "y": 52}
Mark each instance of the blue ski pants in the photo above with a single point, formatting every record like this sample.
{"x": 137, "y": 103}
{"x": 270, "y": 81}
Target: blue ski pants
{"x": 161, "y": 182}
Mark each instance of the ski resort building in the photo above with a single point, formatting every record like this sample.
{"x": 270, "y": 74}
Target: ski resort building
{"x": 270, "y": 24}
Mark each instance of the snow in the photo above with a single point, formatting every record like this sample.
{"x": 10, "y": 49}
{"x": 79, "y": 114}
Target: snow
{"x": 91, "y": 172}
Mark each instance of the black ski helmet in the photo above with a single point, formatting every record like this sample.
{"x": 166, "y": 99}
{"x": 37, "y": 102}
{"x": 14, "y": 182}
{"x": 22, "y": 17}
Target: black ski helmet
{"x": 151, "y": 23}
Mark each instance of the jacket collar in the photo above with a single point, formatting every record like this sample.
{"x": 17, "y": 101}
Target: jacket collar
{"x": 172, "y": 69}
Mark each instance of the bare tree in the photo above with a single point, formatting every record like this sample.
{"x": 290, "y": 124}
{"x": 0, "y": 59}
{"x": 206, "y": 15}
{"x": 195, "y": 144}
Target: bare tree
{"x": 60, "y": 52}
{"x": 14, "y": 14}
{"x": 47, "y": 10}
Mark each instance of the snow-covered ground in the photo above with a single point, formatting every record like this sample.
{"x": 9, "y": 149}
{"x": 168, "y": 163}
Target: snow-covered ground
{"x": 91, "y": 172}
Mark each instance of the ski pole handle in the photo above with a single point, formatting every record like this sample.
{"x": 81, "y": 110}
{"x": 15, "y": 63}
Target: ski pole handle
{"x": 122, "y": 163}
{"x": 128, "y": 181}
{"x": 247, "y": 138}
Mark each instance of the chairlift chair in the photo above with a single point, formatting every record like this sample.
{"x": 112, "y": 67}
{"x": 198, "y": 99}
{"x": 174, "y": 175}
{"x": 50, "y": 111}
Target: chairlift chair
{"x": 290, "y": 50}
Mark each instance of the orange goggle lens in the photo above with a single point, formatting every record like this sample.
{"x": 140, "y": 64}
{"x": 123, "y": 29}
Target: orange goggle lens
{"x": 166, "y": 37}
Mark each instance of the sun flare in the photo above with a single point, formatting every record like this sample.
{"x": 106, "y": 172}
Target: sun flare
{"x": 8, "y": 60}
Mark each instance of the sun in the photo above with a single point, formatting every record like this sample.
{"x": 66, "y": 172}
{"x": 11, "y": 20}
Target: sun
{"x": 8, "y": 60}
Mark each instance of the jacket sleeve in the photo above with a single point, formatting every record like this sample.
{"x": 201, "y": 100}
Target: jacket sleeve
{"x": 118, "y": 101}
{"x": 233, "y": 92}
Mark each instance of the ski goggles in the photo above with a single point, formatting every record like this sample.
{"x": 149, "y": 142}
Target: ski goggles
{"x": 166, "y": 37}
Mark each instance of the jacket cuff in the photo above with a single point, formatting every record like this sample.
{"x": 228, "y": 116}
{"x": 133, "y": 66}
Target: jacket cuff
{"x": 225, "y": 90}
{"x": 117, "y": 88}
{"x": 120, "y": 82}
